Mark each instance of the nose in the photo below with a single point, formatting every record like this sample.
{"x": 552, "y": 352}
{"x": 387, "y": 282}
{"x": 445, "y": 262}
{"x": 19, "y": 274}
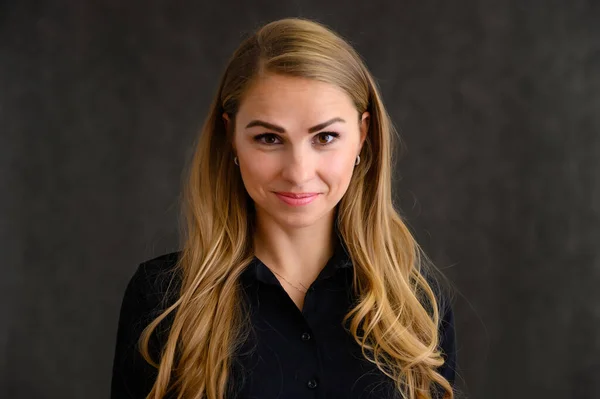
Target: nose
{"x": 298, "y": 167}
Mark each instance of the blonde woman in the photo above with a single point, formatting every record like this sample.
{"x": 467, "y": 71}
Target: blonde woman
{"x": 297, "y": 277}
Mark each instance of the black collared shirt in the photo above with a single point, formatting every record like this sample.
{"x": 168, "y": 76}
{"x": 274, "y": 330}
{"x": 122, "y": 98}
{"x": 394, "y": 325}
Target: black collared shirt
{"x": 289, "y": 354}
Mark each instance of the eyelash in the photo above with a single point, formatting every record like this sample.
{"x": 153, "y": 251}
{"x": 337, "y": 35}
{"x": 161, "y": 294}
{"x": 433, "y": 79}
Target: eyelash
{"x": 261, "y": 136}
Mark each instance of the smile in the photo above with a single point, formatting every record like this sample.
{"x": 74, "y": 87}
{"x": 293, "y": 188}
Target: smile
{"x": 297, "y": 199}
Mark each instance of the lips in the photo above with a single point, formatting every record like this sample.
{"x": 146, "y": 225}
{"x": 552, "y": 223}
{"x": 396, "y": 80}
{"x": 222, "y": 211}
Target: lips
{"x": 297, "y": 195}
{"x": 297, "y": 199}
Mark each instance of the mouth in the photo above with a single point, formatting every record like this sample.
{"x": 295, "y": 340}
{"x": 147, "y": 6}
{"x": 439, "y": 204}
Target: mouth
{"x": 297, "y": 199}
{"x": 296, "y": 195}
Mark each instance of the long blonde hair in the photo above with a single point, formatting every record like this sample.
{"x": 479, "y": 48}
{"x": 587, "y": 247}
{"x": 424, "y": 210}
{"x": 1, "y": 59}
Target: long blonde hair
{"x": 396, "y": 317}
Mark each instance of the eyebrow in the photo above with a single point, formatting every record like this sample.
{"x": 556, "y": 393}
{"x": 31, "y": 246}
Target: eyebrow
{"x": 279, "y": 129}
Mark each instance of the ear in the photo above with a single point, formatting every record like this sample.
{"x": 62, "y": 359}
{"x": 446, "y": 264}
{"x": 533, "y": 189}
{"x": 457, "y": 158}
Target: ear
{"x": 225, "y": 120}
{"x": 227, "y": 123}
{"x": 364, "y": 127}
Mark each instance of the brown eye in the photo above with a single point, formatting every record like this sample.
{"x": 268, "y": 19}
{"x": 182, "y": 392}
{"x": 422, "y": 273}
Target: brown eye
{"x": 327, "y": 138}
{"x": 266, "y": 138}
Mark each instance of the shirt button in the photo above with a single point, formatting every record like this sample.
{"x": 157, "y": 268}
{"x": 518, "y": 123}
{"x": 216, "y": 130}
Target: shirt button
{"x": 305, "y": 336}
{"x": 312, "y": 384}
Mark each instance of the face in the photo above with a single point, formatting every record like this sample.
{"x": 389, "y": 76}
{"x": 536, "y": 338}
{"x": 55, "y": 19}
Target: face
{"x": 297, "y": 136}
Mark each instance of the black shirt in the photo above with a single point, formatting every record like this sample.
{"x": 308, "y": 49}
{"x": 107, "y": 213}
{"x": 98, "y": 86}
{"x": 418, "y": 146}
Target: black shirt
{"x": 290, "y": 354}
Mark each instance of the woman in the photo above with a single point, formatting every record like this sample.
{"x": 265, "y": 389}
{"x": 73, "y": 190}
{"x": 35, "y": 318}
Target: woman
{"x": 297, "y": 276}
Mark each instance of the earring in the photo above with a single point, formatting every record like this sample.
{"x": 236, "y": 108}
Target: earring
{"x": 235, "y": 161}
{"x": 357, "y": 160}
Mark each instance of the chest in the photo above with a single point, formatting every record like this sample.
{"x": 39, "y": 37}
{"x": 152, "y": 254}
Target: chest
{"x": 296, "y": 297}
{"x": 299, "y": 348}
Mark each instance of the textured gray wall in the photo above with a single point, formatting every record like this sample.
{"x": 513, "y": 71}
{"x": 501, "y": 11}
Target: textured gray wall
{"x": 498, "y": 102}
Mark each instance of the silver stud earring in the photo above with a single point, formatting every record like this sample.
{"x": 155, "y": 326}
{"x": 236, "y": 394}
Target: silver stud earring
{"x": 235, "y": 161}
{"x": 357, "y": 160}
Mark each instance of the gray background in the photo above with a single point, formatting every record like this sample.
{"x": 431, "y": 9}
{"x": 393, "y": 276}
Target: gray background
{"x": 499, "y": 105}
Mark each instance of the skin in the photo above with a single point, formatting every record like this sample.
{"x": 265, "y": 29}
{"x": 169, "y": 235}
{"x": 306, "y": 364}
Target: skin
{"x": 296, "y": 241}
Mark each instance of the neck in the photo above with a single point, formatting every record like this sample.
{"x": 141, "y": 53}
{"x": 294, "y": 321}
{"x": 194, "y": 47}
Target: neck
{"x": 298, "y": 254}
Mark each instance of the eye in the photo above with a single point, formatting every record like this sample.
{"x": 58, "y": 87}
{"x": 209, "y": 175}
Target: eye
{"x": 323, "y": 138}
{"x": 333, "y": 136}
{"x": 268, "y": 138}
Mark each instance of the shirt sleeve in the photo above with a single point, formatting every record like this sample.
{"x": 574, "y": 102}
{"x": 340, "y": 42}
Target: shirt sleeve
{"x": 132, "y": 376}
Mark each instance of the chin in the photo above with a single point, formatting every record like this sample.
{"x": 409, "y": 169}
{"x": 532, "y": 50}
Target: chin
{"x": 296, "y": 221}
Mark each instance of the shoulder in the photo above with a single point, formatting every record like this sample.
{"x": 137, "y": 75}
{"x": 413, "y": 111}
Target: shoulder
{"x": 156, "y": 270}
{"x": 151, "y": 290}
{"x": 153, "y": 287}
{"x": 154, "y": 273}
{"x": 155, "y": 283}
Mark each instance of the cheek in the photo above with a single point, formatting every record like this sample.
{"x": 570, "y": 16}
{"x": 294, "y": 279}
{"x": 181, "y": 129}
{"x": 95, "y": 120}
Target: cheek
{"x": 258, "y": 170}
{"x": 337, "y": 170}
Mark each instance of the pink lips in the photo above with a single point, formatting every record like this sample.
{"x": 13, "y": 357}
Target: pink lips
{"x": 297, "y": 199}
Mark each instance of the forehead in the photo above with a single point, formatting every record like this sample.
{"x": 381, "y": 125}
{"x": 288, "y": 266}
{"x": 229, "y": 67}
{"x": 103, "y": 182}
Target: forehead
{"x": 283, "y": 97}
